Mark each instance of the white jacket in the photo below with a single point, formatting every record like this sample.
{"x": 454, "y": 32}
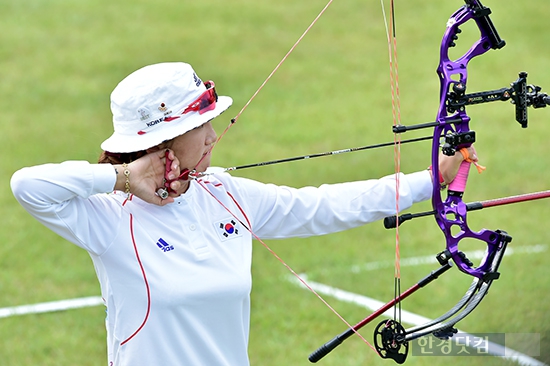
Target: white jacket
{"x": 176, "y": 280}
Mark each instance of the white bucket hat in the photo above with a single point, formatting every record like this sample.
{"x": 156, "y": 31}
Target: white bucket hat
{"x": 159, "y": 102}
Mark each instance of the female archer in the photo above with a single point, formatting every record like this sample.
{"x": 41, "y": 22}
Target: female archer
{"x": 174, "y": 266}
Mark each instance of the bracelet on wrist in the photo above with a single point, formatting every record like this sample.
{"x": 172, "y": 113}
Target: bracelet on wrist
{"x": 126, "y": 173}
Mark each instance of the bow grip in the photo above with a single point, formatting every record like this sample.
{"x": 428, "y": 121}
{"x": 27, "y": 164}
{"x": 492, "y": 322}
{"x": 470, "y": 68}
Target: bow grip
{"x": 459, "y": 183}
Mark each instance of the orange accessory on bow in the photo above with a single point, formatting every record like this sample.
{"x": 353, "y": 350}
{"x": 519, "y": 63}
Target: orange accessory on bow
{"x": 466, "y": 154}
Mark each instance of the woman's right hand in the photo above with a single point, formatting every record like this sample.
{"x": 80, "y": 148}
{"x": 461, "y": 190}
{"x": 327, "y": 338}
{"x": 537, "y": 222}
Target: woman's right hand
{"x": 147, "y": 176}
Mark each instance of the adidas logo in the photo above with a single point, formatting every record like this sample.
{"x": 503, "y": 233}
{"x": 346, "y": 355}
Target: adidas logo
{"x": 164, "y": 246}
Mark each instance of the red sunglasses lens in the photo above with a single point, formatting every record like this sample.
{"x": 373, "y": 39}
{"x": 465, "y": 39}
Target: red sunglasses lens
{"x": 206, "y": 102}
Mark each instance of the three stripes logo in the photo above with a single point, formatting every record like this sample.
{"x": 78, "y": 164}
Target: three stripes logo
{"x": 164, "y": 246}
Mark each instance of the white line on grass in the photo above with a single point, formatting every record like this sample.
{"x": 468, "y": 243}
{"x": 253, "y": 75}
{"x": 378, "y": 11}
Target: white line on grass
{"x": 411, "y": 318}
{"x": 342, "y": 295}
{"x": 416, "y": 261}
{"x": 47, "y": 307}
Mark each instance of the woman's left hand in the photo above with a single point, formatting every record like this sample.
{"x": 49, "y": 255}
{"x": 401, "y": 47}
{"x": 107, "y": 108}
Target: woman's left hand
{"x": 449, "y": 165}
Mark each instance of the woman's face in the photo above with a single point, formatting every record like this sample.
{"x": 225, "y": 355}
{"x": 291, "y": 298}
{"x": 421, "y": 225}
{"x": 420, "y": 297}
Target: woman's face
{"x": 193, "y": 147}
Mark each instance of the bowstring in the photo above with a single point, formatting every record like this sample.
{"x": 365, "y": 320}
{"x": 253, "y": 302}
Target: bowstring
{"x": 235, "y": 119}
{"x": 281, "y": 62}
{"x": 292, "y": 271}
{"x": 232, "y": 122}
{"x": 396, "y": 114}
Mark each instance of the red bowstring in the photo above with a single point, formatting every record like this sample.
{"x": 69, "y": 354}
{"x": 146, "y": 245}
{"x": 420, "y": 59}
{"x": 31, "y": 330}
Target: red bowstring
{"x": 200, "y": 182}
{"x": 281, "y": 62}
{"x": 396, "y": 113}
{"x": 249, "y": 229}
{"x": 234, "y": 119}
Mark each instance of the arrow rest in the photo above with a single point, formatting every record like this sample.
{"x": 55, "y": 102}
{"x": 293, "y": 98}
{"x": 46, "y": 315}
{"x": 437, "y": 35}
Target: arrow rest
{"x": 389, "y": 341}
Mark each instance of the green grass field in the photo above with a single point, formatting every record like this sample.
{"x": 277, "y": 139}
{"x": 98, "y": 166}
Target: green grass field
{"x": 61, "y": 59}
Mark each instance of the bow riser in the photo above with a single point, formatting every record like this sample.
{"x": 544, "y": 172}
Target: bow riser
{"x": 450, "y": 214}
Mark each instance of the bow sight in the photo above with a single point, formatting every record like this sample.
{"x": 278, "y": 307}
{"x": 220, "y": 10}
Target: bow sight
{"x": 519, "y": 93}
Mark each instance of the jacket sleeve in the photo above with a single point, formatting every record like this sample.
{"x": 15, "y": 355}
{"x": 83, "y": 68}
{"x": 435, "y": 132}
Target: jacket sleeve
{"x": 280, "y": 212}
{"x": 67, "y": 199}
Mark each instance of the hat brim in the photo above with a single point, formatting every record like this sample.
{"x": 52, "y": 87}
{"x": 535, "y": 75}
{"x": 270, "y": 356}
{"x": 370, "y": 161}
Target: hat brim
{"x": 119, "y": 143}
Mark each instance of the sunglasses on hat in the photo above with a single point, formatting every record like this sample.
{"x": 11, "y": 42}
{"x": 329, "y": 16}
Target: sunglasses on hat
{"x": 206, "y": 101}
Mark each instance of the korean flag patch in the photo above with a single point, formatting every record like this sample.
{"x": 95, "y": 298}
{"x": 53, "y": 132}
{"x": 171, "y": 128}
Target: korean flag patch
{"x": 228, "y": 229}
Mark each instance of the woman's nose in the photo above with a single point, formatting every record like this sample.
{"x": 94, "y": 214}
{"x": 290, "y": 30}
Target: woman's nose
{"x": 211, "y": 136}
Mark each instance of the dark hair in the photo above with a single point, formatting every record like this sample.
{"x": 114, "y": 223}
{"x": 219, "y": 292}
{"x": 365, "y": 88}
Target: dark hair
{"x": 107, "y": 157}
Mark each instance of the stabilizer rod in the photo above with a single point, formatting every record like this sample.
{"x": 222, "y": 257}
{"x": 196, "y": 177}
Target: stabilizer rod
{"x": 392, "y": 221}
{"x": 336, "y": 341}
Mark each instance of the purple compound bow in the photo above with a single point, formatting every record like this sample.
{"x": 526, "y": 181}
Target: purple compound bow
{"x": 452, "y": 133}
